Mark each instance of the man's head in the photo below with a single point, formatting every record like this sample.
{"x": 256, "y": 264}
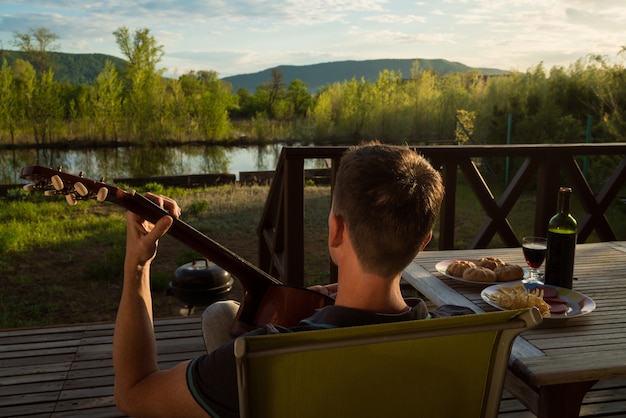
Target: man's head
{"x": 388, "y": 198}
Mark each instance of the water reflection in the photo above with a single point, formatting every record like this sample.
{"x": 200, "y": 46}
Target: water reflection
{"x": 121, "y": 162}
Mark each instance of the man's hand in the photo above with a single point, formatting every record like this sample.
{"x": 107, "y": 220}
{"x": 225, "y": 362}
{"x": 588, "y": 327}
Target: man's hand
{"x": 142, "y": 237}
{"x": 329, "y": 289}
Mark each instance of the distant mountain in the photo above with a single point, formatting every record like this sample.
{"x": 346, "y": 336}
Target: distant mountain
{"x": 71, "y": 68}
{"x": 319, "y": 75}
{"x": 84, "y": 68}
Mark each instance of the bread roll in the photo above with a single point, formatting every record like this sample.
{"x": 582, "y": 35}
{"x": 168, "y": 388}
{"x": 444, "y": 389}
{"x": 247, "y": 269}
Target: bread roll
{"x": 490, "y": 262}
{"x": 457, "y": 267}
{"x": 479, "y": 274}
{"x": 509, "y": 272}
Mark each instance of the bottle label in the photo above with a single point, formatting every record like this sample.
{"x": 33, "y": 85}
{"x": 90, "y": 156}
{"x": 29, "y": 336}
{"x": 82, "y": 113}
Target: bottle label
{"x": 560, "y": 259}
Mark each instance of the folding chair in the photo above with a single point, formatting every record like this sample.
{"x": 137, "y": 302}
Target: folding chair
{"x": 442, "y": 367}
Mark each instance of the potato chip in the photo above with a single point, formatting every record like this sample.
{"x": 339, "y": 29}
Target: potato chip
{"x": 518, "y": 297}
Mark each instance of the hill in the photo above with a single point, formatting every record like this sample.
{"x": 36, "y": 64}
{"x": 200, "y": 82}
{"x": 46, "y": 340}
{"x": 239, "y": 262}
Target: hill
{"x": 71, "y": 68}
{"x": 84, "y": 68}
{"x": 319, "y": 75}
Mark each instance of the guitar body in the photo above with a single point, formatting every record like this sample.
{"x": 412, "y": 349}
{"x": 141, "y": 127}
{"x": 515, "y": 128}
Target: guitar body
{"x": 282, "y": 305}
{"x": 266, "y": 299}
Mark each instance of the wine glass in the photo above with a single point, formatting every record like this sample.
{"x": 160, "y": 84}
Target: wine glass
{"x": 534, "y": 252}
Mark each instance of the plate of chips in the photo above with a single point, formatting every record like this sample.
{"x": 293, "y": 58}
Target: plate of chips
{"x": 552, "y": 301}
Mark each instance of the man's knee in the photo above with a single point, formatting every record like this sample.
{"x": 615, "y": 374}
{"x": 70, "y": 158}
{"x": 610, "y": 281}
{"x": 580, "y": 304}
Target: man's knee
{"x": 217, "y": 322}
{"x": 220, "y": 312}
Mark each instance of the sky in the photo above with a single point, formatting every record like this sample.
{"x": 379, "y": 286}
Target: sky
{"x": 245, "y": 36}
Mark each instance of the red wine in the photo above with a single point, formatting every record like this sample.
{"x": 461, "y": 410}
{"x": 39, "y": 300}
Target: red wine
{"x": 534, "y": 253}
{"x": 562, "y": 230}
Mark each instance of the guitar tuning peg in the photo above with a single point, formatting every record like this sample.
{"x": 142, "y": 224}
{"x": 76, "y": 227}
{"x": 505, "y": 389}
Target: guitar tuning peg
{"x": 81, "y": 174}
{"x": 57, "y": 182}
{"x": 70, "y": 199}
{"x": 28, "y": 187}
{"x": 81, "y": 189}
{"x": 102, "y": 179}
{"x": 102, "y": 194}
{"x": 49, "y": 193}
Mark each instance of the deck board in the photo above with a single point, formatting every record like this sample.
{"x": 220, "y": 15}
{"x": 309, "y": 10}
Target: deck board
{"x": 67, "y": 371}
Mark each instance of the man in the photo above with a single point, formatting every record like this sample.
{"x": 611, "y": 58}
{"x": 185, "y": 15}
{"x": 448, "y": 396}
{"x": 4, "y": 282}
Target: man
{"x": 385, "y": 202}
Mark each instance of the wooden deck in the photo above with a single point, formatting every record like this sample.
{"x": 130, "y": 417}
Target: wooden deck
{"x": 67, "y": 371}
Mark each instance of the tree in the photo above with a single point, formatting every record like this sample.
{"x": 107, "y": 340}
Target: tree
{"x": 47, "y": 109}
{"x": 389, "y": 100}
{"x": 105, "y": 100}
{"x": 36, "y": 44}
{"x": 277, "y": 88}
{"x": 7, "y": 100}
{"x": 272, "y": 94}
{"x": 144, "y": 102}
{"x": 464, "y": 126}
{"x": 181, "y": 124}
{"x": 141, "y": 50}
{"x": 247, "y": 105}
{"x": 423, "y": 94}
{"x": 355, "y": 109}
{"x": 299, "y": 98}
{"x": 209, "y": 98}
{"x": 323, "y": 113}
{"x": 25, "y": 83}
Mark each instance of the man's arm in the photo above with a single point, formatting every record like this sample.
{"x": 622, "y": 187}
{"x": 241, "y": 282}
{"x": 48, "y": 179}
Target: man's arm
{"x": 141, "y": 389}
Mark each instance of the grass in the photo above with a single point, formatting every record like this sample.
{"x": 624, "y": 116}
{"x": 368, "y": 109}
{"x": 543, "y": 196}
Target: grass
{"x": 63, "y": 264}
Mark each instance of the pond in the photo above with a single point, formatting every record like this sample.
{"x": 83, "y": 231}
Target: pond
{"x": 121, "y": 162}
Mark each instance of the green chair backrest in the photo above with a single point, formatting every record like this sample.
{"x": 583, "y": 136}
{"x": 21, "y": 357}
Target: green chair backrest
{"x": 443, "y": 367}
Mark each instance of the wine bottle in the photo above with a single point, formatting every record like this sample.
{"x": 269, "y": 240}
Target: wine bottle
{"x": 562, "y": 232}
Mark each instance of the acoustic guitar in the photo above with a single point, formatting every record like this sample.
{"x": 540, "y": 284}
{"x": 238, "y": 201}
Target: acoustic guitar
{"x": 266, "y": 300}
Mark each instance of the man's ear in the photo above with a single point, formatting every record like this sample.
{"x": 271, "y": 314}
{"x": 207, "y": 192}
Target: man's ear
{"x": 336, "y": 229}
{"x": 428, "y": 238}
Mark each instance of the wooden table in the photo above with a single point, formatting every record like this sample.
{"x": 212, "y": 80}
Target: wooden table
{"x": 552, "y": 367}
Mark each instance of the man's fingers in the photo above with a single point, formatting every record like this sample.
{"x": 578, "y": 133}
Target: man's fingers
{"x": 166, "y": 203}
{"x": 161, "y": 227}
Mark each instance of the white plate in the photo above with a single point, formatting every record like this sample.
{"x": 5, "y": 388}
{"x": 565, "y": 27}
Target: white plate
{"x": 443, "y": 265}
{"x": 577, "y": 303}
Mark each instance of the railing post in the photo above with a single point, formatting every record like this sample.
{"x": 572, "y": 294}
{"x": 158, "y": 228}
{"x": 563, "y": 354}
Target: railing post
{"x": 293, "y": 202}
{"x": 334, "y": 166}
{"x": 448, "y": 208}
{"x": 548, "y": 183}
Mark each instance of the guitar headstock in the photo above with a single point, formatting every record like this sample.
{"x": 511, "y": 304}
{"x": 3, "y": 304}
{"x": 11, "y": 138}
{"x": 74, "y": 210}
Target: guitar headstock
{"x": 56, "y": 182}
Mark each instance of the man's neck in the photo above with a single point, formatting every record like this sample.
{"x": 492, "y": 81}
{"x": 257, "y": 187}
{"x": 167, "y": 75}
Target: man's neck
{"x": 371, "y": 293}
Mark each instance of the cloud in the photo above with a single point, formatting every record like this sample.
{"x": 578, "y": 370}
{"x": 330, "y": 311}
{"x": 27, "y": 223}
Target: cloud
{"x": 231, "y": 36}
{"x": 395, "y": 19}
{"x": 612, "y": 19}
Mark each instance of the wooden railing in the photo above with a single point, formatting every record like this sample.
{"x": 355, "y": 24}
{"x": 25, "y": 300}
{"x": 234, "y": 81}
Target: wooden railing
{"x": 281, "y": 228}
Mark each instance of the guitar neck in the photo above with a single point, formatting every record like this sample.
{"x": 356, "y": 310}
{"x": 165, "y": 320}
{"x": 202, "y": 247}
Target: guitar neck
{"x": 249, "y": 275}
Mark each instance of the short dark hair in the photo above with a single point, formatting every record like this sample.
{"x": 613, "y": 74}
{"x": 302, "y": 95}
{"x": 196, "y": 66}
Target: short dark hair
{"x": 389, "y": 198}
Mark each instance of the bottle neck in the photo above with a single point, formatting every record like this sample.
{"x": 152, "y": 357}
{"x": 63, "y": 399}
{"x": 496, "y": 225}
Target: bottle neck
{"x": 563, "y": 200}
